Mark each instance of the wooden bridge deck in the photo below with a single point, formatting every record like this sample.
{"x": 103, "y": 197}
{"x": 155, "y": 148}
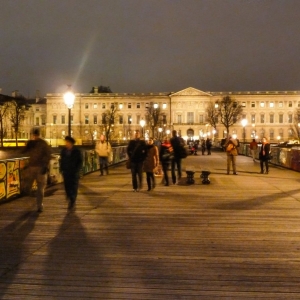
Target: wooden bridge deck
{"x": 237, "y": 238}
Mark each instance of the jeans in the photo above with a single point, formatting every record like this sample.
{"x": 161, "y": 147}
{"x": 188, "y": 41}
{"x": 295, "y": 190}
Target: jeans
{"x": 71, "y": 182}
{"x": 262, "y": 162}
{"x": 103, "y": 161}
{"x": 177, "y": 162}
{"x": 150, "y": 179}
{"x": 35, "y": 173}
{"x": 137, "y": 175}
{"x": 231, "y": 159}
{"x": 165, "y": 167}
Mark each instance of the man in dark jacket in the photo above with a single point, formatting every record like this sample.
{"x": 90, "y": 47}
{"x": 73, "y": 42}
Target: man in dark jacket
{"x": 137, "y": 152}
{"x": 39, "y": 153}
{"x": 176, "y": 143}
{"x": 70, "y": 166}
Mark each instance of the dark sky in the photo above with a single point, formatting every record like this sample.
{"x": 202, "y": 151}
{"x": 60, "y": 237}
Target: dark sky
{"x": 149, "y": 45}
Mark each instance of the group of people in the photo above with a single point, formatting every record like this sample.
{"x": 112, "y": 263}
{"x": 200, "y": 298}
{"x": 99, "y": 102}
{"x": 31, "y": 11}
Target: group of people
{"x": 39, "y": 153}
{"x": 146, "y": 157}
{"x": 231, "y": 148}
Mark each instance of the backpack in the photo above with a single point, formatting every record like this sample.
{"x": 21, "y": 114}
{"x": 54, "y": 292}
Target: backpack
{"x": 229, "y": 147}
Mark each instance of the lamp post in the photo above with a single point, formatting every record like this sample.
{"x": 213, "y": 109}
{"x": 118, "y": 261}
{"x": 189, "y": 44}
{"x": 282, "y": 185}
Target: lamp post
{"x": 244, "y": 123}
{"x": 160, "y": 131}
{"x": 69, "y": 99}
{"x": 142, "y": 123}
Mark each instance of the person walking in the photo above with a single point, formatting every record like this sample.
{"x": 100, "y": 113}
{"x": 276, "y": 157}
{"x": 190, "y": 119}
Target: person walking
{"x": 70, "y": 167}
{"x": 103, "y": 149}
{"x": 150, "y": 163}
{"x": 137, "y": 152}
{"x": 253, "y": 149}
{"x": 208, "y": 146}
{"x": 232, "y": 152}
{"x": 39, "y": 153}
{"x": 203, "y": 147}
{"x": 165, "y": 156}
{"x": 176, "y": 143}
{"x": 264, "y": 156}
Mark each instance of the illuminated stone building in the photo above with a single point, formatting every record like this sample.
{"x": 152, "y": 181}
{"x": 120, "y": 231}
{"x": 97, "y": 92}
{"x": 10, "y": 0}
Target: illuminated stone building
{"x": 270, "y": 114}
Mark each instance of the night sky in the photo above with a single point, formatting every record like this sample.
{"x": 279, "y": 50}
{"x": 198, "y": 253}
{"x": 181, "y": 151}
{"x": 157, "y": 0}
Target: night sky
{"x": 149, "y": 45}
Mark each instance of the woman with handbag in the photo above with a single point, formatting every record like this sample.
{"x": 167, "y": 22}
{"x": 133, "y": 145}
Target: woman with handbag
{"x": 166, "y": 154}
{"x": 150, "y": 163}
{"x": 264, "y": 156}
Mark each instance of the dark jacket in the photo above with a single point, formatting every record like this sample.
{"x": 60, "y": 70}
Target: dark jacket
{"x": 39, "y": 153}
{"x": 137, "y": 150}
{"x": 176, "y": 143}
{"x": 264, "y": 153}
{"x": 70, "y": 161}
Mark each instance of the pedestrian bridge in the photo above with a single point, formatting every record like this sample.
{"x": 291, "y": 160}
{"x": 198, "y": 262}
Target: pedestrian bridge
{"x": 236, "y": 238}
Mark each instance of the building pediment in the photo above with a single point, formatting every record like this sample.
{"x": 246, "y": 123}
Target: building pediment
{"x": 190, "y": 91}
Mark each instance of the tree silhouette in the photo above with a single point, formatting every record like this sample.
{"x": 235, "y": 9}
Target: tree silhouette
{"x": 229, "y": 112}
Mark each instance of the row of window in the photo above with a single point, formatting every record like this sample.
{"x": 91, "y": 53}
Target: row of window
{"x": 121, "y": 105}
{"x": 263, "y": 104}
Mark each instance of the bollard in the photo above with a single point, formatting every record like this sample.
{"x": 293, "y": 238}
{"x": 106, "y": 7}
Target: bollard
{"x": 205, "y": 177}
{"x": 190, "y": 177}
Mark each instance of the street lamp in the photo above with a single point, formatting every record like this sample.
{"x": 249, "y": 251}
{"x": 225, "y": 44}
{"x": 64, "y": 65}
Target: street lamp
{"x": 168, "y": 132}
{"x": 278, "y": 139}
{"x": 160, "y": 131}
{"x": 69, "y": 99}
{"x": 244, "y": 123}
{"x": 142, "y": 123}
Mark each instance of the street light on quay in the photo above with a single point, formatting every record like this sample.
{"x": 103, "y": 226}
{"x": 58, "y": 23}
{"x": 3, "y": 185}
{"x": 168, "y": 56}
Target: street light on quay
{"x": 244, "y": 123}
{"x": 69, "y": 99}
{"x": 142, "y": 123}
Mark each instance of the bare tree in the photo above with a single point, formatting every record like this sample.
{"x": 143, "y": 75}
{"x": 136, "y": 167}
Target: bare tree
{"x": 295, "y": 126}
{"x": 154, "y": 117}
{"x": 3, "y": 112}
{"x": 229, "y": 111}
{"x": 212, "y": 114}
{"x": 17, "y": 109}
{"x": 109, "y": 120}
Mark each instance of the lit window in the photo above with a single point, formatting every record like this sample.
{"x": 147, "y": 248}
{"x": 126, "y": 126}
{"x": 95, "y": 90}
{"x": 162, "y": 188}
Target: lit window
{"x": 262, "y": 104}
{"x": 271, "y": 104}
{"x": 164, "y": 106}
{"x": 243, "y": 104}
{"x": 95, "y": 105}
{"x": 190, "y": 117}
{"x": 280, "y": 104}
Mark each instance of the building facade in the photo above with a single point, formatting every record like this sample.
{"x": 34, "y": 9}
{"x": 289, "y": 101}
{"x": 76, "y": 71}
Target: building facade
{"x": 270, "y": 114}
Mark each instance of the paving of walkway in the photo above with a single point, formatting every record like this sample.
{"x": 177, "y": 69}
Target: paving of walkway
{"x": 237, "y": 238}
